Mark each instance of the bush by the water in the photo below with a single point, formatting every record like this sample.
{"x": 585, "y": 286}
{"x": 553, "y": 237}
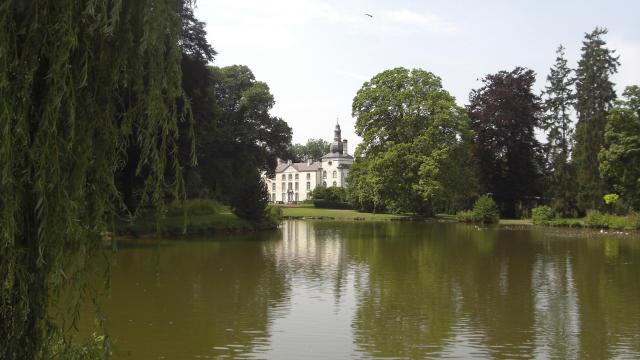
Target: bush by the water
{"x": 608, "y": 221}
{"x": 274, "y": 214}
{"x": 542, "y": 215}
{"x": 485, "y": 210}
{"x": 465, "y": 216}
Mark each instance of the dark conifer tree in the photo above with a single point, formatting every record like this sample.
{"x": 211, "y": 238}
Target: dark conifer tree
{"x": 504, "y": 114}
{"x": 556, "y": 121}
{"x": 594, "y": 97}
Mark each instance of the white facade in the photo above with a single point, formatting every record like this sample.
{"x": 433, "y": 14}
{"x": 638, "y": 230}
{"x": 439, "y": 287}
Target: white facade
{"x": 294, "y": 182}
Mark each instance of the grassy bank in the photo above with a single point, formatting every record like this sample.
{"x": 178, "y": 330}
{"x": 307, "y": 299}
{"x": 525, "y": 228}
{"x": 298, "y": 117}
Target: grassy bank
{"x": 331, "y": 214}
{"x": 203, "y": 217}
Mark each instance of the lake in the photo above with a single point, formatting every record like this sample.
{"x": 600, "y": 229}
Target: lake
{"x": 340, "y": 290}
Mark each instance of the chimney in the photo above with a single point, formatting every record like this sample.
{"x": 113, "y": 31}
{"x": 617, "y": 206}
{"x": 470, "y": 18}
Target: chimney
{"x": 309, "y": 161}
{"x": 344, "y": 147}
{"x": 289, "y": 162}
{"x": 279, "y": 161}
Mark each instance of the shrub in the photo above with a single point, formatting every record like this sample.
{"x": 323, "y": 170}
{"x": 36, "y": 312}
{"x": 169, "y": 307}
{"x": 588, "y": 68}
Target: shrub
{"x": 329, "y": 204}
{"x": 542, "y": 215}
{"x": 465, "y": 216}
{"x": 485, "y": 210}
{"x": 274, "y": 214}
{"x": 596, "y": 219}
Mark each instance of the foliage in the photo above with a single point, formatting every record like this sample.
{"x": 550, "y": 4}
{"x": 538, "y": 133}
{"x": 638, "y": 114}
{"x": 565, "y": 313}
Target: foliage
{"x": 415, "y": 144}
{"x": 594, "y": 97}
{"x": 330, "y": 204}
{"x": 239, "y": 140}
{"x": 314, "y": 150}
{"x": 332, "y": 197}
{"x": 249, "y": 197}
{"x": 485, "y": 210}
{"x": 504, "y": 114}
{"x": 79, "y": 83}
{"x": 274, "y": 214}
{"x": 332, "y": 193}
{"x": 194, "y": 207}
{"x": 620, "y": 156}
{"x": 556, "y": 121}
{"x": 611, "y": 199}
{"x": 465, "y": 216}
{"x": 542, "y": 215}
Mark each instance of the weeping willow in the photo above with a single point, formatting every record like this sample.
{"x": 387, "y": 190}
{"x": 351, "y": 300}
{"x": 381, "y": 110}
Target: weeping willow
{"x": 80, "y": 81}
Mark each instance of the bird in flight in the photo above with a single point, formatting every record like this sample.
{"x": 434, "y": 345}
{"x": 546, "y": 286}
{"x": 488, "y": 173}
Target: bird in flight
{"x": 369, "y": 15}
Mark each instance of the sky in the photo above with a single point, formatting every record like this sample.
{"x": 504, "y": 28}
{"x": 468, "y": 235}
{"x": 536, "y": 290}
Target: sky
{"x": 316, "y": 54}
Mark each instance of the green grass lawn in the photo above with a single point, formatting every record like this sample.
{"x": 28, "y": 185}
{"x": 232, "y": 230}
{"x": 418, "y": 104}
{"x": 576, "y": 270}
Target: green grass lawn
{"x": 309, "y": 212}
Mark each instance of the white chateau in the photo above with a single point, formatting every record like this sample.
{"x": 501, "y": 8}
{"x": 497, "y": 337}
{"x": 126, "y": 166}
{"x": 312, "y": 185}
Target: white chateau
{"x": 295, "y": 181}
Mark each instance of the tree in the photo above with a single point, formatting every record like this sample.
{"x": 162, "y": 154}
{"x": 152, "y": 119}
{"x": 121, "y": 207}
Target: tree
{"x": 313, "y": 150}
{"x": 556, "y": 121}
{"x": 414, "y": 137}
{"x": 504, "y": 114}
{"x": 620, "y": 157}
{"x": 242, "y": 138}
{"x": 594, "y": 97}
{"x": 75, "y": 79}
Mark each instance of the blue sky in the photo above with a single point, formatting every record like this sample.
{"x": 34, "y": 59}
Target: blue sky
{"x": 315, "y": 54}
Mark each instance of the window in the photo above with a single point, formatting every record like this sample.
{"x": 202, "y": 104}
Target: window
{"x": 289, "y": 176}
{"x": 324, "y": 183}
{"x": 334, "y": 184}
{"x": 284, "y": 197}
{"x": 290, "y": 186}
{"x": 273, "y": 197}
{"x": 296, "y": 196}
{"x": 273, "y": 186}
{"x": 335, "y": 174}
{"x": 296, "y": 176}
{"x": 324, "y": 174}
{"x": 329, "y": 163}
{"x": 308, "y": 185}
{"x": 296, "y": 186}
{"x": 308, "y": 176}
{"x": 284, "y": 177}
{"x": 284, "y": 186}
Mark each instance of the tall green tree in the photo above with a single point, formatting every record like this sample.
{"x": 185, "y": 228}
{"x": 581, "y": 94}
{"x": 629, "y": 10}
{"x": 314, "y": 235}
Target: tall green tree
{"x": 76, "y": 78}
{"x": 414, "y": 143}
{"x": 558, "y": 102}
{"x": 504, "y": 114}
{"x": 620, "y": 156}
{"x": 594, "y": 98}
{"x": 243, "y": 139}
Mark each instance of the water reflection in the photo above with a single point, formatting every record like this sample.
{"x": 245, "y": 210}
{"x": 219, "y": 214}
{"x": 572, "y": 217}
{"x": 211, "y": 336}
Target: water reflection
{"x": 366, "y": 289}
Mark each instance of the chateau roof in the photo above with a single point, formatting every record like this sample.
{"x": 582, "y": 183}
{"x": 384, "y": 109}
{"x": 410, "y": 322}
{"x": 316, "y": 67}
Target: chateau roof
{"x": 332, "y": 155}
{"x": 300, "y": 167}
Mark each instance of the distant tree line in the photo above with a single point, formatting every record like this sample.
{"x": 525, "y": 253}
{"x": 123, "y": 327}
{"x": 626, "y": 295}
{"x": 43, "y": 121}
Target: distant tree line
{"x": 423, "y": 153}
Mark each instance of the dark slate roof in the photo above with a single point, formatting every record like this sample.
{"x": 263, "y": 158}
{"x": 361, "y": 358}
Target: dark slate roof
{"x": 332, "y": 155}
{"x": 315, "y": 166}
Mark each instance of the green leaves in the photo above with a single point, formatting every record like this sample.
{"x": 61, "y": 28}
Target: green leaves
{"x": 411, "y": 129}
{"x": 620, "y": 157}
{"x": 79, "y": 83}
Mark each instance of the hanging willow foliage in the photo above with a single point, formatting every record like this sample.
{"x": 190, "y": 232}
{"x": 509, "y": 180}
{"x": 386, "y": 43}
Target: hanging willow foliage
{"x": 80, "y": 80}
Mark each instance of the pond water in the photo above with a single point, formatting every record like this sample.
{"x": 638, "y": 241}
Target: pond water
{"x": 335, "y": 290}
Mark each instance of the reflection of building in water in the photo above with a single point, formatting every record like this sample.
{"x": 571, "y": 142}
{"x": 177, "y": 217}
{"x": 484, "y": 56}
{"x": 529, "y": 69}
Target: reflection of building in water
{"x": 316, "y": 254}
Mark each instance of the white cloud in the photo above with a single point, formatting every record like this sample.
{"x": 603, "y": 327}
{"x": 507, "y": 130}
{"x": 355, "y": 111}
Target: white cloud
{"x": 422, "y": 21}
